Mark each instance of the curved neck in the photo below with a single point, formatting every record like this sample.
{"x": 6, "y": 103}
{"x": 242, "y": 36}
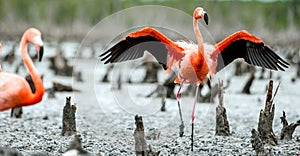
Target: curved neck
{"x": 37, "y": 81}
{"x": 198, "y": 36}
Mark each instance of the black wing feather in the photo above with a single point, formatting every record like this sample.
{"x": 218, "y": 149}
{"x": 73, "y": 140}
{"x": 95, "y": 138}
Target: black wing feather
{"x": 134, "y": 47}
{"x": 262, "y": 59}
{"x": 253, "y": 53}
{"x": 271, "y": 58}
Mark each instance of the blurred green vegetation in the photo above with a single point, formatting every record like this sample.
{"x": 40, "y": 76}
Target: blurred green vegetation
{"x": 274, "y": 16}
{"x": 91, "y": 11}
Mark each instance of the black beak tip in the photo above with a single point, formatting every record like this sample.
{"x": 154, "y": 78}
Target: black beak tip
{"x": 206, "y": 18}
{"x": 41, "y": 53}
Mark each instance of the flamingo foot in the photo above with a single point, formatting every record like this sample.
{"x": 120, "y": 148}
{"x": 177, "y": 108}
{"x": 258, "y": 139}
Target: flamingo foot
{"x": 192, "y": 138}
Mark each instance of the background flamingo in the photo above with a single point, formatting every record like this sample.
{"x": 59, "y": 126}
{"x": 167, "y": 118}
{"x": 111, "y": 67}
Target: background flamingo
{"x": 14, "y": 89}
{"x": 194, "y": 62}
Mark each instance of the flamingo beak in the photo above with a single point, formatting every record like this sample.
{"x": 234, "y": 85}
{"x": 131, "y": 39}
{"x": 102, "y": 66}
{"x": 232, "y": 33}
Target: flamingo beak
{"x": 39, "y": 46}
{"x": 41, "y": 53}
{"x": 206, "y": 18}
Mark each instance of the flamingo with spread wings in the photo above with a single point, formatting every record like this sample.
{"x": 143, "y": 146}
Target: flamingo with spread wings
{"x": 194, "y": 62}
{"x": 14, "y": 89}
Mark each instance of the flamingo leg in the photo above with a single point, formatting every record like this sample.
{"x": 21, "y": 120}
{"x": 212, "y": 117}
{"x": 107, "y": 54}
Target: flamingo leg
{"x": 181, "y": 127}
{"x": 193, "y": 116}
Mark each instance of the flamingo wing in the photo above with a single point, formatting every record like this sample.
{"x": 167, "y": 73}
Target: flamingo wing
{"x": 252, "y": 49}
{"x": 136, "y": 43}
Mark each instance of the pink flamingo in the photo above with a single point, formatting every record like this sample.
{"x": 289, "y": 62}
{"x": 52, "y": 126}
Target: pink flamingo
{"x": 14, "y": 89}
{"x": 194, "y": 62}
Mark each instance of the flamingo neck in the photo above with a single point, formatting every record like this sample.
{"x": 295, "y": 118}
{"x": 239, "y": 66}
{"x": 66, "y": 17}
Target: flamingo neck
{"x": 37, "y": 81}
{"x": 198, "y": 36}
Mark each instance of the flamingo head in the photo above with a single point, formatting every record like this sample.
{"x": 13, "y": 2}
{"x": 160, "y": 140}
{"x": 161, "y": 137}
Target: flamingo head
{"x": 35, "y": 37}
{"x": 200, "y": 13}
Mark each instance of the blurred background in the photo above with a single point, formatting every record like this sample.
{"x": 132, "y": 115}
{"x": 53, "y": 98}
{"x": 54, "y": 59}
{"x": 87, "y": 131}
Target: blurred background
{"x": 276, "y": 21}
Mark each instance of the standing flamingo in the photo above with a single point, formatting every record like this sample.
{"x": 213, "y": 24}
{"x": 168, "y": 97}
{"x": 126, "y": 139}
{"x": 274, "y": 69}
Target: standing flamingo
{"x": 14, "y": 89}
{"x": 194, "y": 62}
